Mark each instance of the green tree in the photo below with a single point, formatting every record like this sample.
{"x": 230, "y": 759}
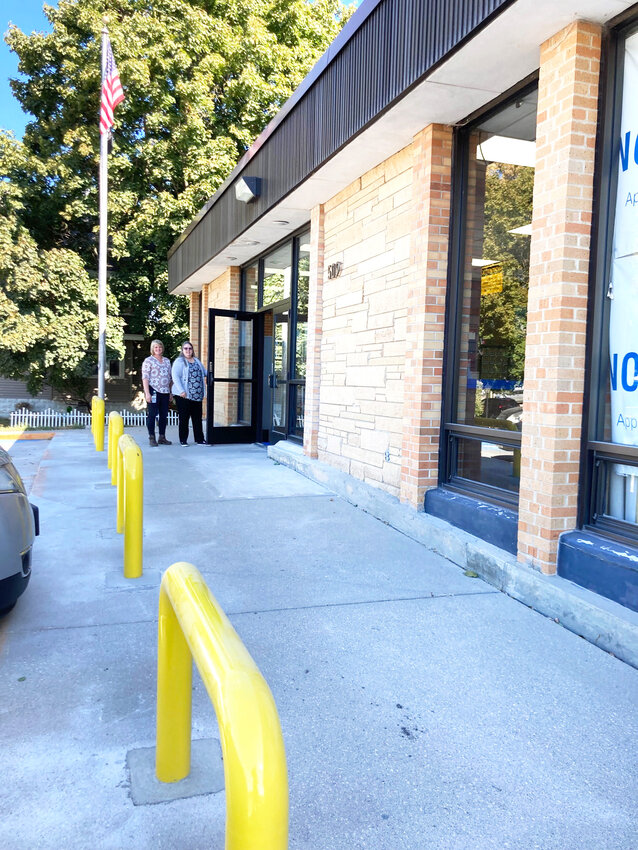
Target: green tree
{"x": 508, "y": 205}
{"x": 47, "y": 304}
{"x": 201, "y": 78}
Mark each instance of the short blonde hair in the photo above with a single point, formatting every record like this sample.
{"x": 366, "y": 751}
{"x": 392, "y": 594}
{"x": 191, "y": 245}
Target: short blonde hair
{"x": 157, "y": 342}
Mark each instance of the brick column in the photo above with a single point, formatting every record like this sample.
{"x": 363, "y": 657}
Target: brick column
{"x": 557, "y": 301}
{"x": 194, "y": 323}
{"x": 315, "y": 323}
{"x": 432, "y": 175}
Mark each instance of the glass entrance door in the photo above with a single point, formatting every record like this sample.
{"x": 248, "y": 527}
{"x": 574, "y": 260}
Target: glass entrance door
{"x": 232, "y": 387}
{"x": 278, "y": 378}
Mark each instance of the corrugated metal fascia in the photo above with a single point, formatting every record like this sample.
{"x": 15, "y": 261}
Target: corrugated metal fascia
{"x": 352, "y": 88}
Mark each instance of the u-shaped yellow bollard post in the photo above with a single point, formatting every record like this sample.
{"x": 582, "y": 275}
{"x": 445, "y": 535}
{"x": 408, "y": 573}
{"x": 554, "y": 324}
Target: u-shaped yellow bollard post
{"x": 99, "y": 424}
{"x": 192, "y": 626}
{"x": 116, "y": 429}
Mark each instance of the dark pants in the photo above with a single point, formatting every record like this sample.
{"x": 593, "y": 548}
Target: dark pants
{"x": 187, "y": 409}
{"x": 154, "y": 408}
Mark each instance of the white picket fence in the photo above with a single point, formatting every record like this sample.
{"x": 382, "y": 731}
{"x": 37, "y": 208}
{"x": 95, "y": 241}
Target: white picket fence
{"x": 59, "y": 419}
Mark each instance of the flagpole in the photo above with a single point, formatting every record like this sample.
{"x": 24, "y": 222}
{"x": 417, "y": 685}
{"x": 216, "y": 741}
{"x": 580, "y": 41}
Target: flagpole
{"x": 103, "y": 245}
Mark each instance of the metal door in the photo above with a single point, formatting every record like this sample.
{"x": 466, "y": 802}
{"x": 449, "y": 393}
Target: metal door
{"x": 233, "y": 391}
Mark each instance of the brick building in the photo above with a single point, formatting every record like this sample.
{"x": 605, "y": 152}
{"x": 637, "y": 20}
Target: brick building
{"x": 408, "y": 275}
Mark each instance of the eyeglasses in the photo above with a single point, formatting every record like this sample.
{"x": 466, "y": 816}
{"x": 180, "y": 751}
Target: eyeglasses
{"x": 188, "y": 348}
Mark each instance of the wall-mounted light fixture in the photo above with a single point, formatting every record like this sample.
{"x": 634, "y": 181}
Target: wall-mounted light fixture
{"x": 247, "y": 189}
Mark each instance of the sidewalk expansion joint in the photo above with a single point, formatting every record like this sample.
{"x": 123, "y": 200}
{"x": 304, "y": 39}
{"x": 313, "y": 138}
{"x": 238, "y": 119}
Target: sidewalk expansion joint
{"x": 428, "y": 598}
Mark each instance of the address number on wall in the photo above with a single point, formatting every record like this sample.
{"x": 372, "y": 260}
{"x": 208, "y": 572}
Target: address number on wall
{"x": 334, "y": 270}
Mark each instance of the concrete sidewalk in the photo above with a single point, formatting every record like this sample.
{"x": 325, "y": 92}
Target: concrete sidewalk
{"x": 420, "y": 707}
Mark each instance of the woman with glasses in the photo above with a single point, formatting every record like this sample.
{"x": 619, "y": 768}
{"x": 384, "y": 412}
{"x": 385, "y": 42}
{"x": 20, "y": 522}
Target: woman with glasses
{"x": 189, "y": 385}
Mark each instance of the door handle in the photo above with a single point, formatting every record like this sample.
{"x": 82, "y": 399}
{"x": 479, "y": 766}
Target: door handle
{"x": 272, "y": 381}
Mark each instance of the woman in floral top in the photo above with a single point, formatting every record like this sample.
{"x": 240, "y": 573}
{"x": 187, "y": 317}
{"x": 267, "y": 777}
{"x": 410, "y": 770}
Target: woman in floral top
{"x": 157, "y": 380}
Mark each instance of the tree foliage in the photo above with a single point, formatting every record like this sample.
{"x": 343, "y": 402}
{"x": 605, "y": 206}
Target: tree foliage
{"x": 201, "y": 78}
{"x": 47, "y": 304}
{"x": 508, "y": 205}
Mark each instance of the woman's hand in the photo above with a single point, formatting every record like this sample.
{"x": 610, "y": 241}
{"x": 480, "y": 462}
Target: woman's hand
{"x": 182, "y": 395}
{"x": 147, "y": 396}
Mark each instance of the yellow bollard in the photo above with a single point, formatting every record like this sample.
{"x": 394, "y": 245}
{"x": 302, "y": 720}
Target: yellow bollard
{"x": 133, "y": 509}
{"x": 191, "y": 623}
{"x": 93, "y": 417}
{"x": 109, "y": 442}
{"x": 99, "y": 424}
{"x": 124, "y": 441}
{"x": 116, "y": 429}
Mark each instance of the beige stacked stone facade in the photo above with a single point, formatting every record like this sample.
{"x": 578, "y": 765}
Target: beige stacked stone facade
{"x": 367, "y": 228}
{"x": 376, "y": 332}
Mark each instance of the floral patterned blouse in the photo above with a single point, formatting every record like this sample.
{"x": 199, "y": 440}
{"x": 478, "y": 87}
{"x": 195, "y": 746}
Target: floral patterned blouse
{"x": 158, "y": 374}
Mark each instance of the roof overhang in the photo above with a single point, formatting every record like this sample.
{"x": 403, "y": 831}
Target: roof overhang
{"x": 498, "y": 57}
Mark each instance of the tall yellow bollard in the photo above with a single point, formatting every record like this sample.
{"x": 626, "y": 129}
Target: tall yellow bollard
{"x": 119, "y": 522}
{"x": 93, "y": 400}
{"x": 116, "y": 429}
{"x": 130, "y": 491}
{"x": 192, "y": 626}
{"x": 99, "y": 424}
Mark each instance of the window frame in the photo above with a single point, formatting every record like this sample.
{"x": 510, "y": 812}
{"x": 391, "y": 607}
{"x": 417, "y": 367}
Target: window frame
{"x": 451, "y": 431}
{"x": 596, "y": 452}
{"x": 290, "y": 303}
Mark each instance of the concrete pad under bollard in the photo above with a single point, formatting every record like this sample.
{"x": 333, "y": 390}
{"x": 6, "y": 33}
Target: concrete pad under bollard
{"x": 206, "y": 776}
{"x": 117, "y": 581}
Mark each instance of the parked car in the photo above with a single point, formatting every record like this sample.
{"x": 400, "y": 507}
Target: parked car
{"x": 19, "y": 525}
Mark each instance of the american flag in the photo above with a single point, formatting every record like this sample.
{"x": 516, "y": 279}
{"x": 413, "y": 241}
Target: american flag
{"x": 112, "y": 92}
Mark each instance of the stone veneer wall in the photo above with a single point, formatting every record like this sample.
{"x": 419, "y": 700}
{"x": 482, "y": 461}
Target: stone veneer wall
{"x": 367, "y": 227}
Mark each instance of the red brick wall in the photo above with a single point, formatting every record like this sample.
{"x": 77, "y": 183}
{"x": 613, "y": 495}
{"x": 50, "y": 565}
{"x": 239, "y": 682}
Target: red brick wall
{"x": 431, "y": 193}
{"x": 558, "y": 288}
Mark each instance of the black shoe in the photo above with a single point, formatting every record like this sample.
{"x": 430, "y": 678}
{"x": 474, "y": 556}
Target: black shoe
{"x": 152, "y": 441}
{"x": 200, "y": 442}
{"x": 183, "y": 444}
{"x": 163, "y": 441}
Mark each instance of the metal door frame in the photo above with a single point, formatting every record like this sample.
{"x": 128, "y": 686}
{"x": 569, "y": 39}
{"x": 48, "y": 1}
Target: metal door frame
{"x": 234, "y": 433}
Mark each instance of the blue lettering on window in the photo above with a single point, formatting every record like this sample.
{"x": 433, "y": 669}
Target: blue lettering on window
{"x": 624, "y": 375}
{"x": 624, "y": 152}
{"x": 613, "y": 372}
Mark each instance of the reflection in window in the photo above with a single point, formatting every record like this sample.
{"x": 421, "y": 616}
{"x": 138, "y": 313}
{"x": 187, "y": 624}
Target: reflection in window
{"x": 277, "y": 272}
{"x": 498, "y": 218}
{"x": 298, "y": 403}
{"x": 303, "y": 277}
{"x": 251, "y": 287}
{"x": 488, "y": 463}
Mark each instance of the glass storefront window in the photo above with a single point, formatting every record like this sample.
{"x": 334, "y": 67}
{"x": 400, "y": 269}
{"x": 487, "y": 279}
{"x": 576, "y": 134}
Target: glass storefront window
{"x": 251, "y": 287}
{"x": 301, "y": 327}
{"x": 498, "y": 221}
{"x": 277, "y": 285}
{"x": 617, "y": 397}
{"x": 488, "y": 463}
{"x": 490, "y": 291}
{"x": 277, "y": 275}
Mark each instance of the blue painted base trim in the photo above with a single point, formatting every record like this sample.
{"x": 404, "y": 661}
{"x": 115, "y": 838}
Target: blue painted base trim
{"x": 495, "y": 525}
{"x": 601, "y": 565}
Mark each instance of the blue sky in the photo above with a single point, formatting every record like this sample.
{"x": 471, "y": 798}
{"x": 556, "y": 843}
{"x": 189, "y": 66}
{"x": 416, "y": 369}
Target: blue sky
{"x": 28, "y": 16}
